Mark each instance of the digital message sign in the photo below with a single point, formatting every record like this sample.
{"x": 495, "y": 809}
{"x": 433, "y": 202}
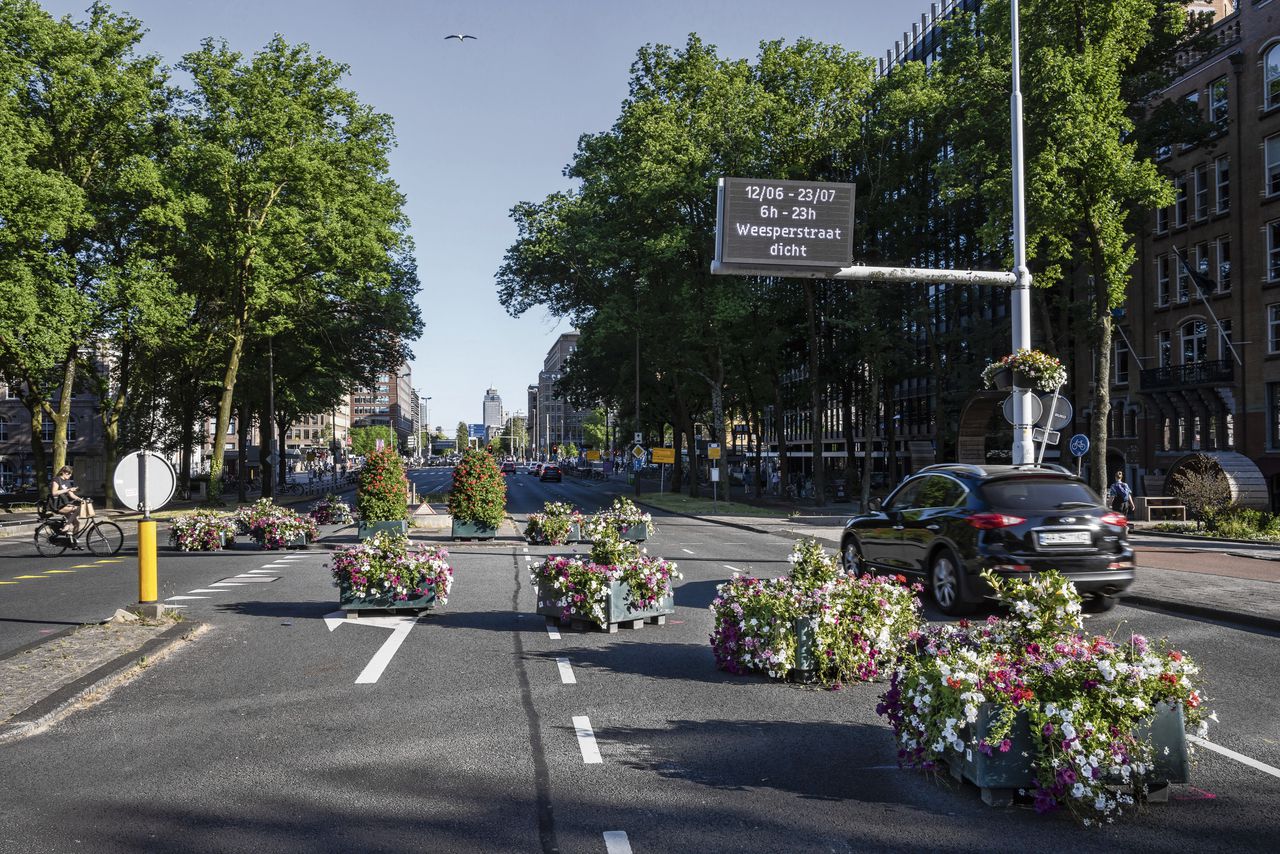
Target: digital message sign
{"x": 771, "y": 222}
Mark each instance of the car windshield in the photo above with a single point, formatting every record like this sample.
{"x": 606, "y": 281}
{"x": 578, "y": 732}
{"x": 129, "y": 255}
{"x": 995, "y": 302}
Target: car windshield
{"x": 1031, "y": 495}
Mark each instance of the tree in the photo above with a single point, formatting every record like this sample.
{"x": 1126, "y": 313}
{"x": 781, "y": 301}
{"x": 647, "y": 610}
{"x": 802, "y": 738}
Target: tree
{"x": 288, "y": 201}
{"x": 595, "y": 428}
{"x": 364, "y": 440}
{"x": 463, "y": 436}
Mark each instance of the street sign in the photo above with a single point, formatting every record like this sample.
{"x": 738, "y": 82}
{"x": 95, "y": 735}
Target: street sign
{"x": 1036, "y": 409}
{"x": 1039, "y": 434}
{"x": 638, "y": 453}
{"x": 272, "y": 459}
{"x": 639, "y": 438}
{"x": 593, "y": 456}
{"x": 1061, "y": 413}
{"x": 144, "y": 481}
{"x": 713, "y": 451}
{"x": 665, "y": 456}
{"x": 766, "y": 221}
{"x": 715, "y": 475}
{"x": 1079, "y": 445}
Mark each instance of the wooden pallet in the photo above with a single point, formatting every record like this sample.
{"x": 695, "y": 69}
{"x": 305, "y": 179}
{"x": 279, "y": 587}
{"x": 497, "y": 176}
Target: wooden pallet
{"x": 578, "y": 624}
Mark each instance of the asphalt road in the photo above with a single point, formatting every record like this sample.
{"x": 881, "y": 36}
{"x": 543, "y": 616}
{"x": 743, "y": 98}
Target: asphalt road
{"x": 258, "y": 737}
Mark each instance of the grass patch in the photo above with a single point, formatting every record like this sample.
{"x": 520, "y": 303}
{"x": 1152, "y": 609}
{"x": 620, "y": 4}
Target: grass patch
{"x": 705, "y": 507}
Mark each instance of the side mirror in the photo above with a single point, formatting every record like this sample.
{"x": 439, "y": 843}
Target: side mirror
{"x": 873, "y": 506}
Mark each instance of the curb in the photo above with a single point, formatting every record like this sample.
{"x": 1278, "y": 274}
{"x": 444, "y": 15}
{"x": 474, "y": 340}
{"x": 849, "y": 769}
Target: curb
{"x": 1192, "y": 610}
{"x": 1195, "y": 538}
{"x": 44, "y": 712}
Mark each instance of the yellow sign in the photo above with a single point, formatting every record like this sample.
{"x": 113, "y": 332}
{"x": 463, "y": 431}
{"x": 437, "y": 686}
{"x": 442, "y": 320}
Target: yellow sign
{"x": 664, "y": 455}
{"x": 593, "y": 456}
{"x": 713, "y": 452}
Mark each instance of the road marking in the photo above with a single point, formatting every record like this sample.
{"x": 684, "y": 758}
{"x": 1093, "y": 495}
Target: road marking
{"x": 734, "y": 544}
{"x": 732, "y": 568}
{"x": 686, "y": 551}
{"x": 552, "y": 631}
{"x": 690, "y": 544}
{"x": 59, "y": 572}
{"x": 82, "y": 566}
{"x": 1239, "y": 757}
{"x": 273, "y": 565}
{"x": 226, "y": 584}
{"x": 586, "y": 740}
{"x": 204, "y": 590}
{"x": 8, "y": 582}
{"x": 110, "y": 560}
{"x": 256, "y": 579}
{"x": 566, "y": 672}
{"x": 527, "y": 557}
{"x": 45, "y": 577}
{"x": 258, "y": 572}
{"x": 383, "y": 656}
{"x": 175, "y": 598}
{"x": 616, "y": 842}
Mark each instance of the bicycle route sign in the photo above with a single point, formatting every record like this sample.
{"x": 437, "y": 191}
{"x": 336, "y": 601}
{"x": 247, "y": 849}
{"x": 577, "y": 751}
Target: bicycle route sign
{"x": 776, "y": 223}
{"x": 144, "y": 481}
{"x": 1079, "y": 445}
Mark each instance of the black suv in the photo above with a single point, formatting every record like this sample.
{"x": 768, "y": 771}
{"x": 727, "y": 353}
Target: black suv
{"x": 947, "y": 523}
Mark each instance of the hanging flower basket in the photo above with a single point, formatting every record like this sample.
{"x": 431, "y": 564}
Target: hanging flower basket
{"x": 1027, "y": 370}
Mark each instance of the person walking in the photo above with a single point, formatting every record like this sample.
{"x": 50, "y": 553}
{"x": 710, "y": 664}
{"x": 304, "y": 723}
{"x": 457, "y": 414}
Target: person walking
{"x": 1120, "y": 496}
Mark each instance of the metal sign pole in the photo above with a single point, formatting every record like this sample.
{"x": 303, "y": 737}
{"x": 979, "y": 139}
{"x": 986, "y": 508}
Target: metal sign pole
{"x": 1023, "y": 447}
{"x": 1048, "y": 423}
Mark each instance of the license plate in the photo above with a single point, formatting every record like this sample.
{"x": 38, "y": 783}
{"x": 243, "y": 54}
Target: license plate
{"x": 1065, "y": 538}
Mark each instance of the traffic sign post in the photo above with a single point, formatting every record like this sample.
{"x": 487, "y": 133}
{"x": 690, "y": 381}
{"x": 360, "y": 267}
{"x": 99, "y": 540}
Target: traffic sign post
{"x": 145, "y": 481}
{"x": 1079, "y": 446}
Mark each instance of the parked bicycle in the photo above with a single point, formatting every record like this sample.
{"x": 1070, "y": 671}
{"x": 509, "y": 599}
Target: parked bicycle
{"x": 52, "y": 536}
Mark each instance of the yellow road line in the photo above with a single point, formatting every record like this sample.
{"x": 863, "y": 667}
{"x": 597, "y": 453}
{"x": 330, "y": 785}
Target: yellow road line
{"x": 29, "y": 576}
{"x": 82, "y": 566}
{"x": 8, "y": 582}
{"x": 59, "y": 571}
{"x": 110, "y": 560}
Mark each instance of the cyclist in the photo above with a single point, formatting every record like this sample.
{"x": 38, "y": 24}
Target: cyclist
{"x": 66, "y": 502}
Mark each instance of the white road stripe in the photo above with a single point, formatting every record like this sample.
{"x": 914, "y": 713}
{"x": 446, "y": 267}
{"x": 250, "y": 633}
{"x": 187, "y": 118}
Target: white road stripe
{"x": 732, "y": 568}
{"x": 686, "y": 551}
{"x": 228, "y": 584}
{"x": 203, "y": 590}
{"x": 616, "y": 842}
{"x": 275, "y": 565}
{"x": 566, "y": 672}
{"x": 255, "y": 579}
{"x": 174, "y": 598}
{"x": 383, "y": 656}
{"x": 586, "y": 740}
{"x": 1239, "y": 757}
{"x": 553, "y": 632}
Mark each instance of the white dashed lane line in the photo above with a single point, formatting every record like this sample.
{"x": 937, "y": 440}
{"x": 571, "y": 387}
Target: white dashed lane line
{"x": 176, "y": 598}
{"x": 586, "y": 740}
{"x": 553, "y": 632}
{"x": 566, "y": 672}
{"x": 686, "y": 551}
{"x": 616, "y": 842}
{"x": 1239, "y": 757}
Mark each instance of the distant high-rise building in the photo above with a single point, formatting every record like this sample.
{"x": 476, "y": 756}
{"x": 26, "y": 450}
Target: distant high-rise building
{"x": 557, "y": 421}
{"x": 492, "y": 409}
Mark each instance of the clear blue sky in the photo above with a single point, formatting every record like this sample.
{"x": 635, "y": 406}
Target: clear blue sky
{"x": 485, "y": 124}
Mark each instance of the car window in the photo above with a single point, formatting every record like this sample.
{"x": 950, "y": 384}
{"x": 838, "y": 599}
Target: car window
{"x": 938, "y": 491}
{"x": 1039, "y": 494}
{"x": 904, "y": 497}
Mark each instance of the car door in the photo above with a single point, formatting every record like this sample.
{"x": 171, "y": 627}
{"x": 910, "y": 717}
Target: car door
{"x": 923, "y": 521}
{"x": 879, "y": 533}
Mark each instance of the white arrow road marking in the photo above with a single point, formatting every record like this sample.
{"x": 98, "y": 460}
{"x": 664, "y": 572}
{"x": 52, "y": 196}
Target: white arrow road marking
{"x": 616, "y": 842}
{"x": 173, "y": 598}
{"x": 732, "y": 568}
{"x": 553, "y": 632}
{"x": 1239, "y": 757}
{"x": 400, "y": 626}
{"x": 586, "y": 740}
{"x": 566, "y": 672}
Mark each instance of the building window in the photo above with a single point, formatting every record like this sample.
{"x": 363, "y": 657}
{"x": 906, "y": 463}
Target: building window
{"x": 46, "y": 428}
{"x": 1202, "y": 192}
{"x": 1202, "y": 263}
{"x": 1222, "y": 183}
{"x": 1180, "y": 203}
{"x": 71, "y": 428}
{"x": 1120, "y": 362}
{"x": 1218, "y": 108}
{"x": 1273, "y": 328}
{"x": 1273, "y": 251}
{"x": 1271, "y": 78}
{"x": 1164, "y": 347}
{"x": 1224, "y": 339}
{"x": 1195, "y": 341}
{"x": 1184, "y": 281}
{"x": 1271, "y": 164}
{"x": 1162, "y": 220}
{"x": 1273, "y": 411}
{"x": 1224, "y": 264}
{"x": 1162, "y": 280}
{"x": 4, "y": 429}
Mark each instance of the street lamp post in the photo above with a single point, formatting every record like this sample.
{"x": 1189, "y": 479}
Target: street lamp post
{"x": 1020, "y": 298}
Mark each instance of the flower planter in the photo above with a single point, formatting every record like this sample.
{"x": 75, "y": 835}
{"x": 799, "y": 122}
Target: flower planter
{"x": 1022, "y": 381}
{"x": 349, "y": 601}
{"x": 616, "y": 610}
{"x": 299, "y": 542}
{"x": 472, "y": 531}
{"x": 575, "y": 532}
{"x": 1003, "y": 379}
{"x": 365, "y": 530}
{"x": 806, "y": 660}
{"x": 636, "y": 533}
{"x": 1000, "y": 775}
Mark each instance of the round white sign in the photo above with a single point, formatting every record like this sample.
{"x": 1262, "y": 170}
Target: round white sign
{"x": 144, "y": 478}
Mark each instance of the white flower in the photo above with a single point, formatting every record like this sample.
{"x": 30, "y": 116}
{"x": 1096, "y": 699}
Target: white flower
{"x": 1078, "y": 790}
{"x": 1068, "y": 731}
{"x": 1101, "y": 803}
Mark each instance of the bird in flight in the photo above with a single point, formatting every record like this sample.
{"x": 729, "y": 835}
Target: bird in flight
{"x": 459, "y": 36}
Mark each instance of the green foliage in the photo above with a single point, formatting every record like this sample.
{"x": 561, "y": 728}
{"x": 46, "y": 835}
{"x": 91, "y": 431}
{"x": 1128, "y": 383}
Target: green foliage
{"x": 811, "y": 565}
{"x": 1245, "y": 523}
{"x": 1202, "y": 487}
{"x": 479, "y": 492}
{"x": 462, "y": 435}
{"x": 364, "y": 440}
{"x": 382, "y": 495}
{"x": 609, "y": 549}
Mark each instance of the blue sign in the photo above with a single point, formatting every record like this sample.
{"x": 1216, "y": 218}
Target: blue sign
{"x": 476, "y": 431}
{"x": 1079, "y": 444}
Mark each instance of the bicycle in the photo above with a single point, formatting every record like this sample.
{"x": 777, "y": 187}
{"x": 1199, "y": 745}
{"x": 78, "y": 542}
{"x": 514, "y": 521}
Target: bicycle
{"x": 102, "y": 538}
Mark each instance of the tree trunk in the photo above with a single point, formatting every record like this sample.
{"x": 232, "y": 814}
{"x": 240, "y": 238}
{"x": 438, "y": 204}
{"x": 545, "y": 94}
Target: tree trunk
{"x": 265, "y": 426}
{"x": 282, "y": 429}
{"x": 692, "y": 443}
{"x": 1102, "y": 364}
{"x": 62, "y": 415}
{"x": 846, "y": 425}
{"x": 187, "y": 437}
{"x": 242, "y": 459}
{"x": 717, "y": 419}
{"x": 816, "y": 427}
{"x": 223, "y": 422}
{"x": 39, "y": 460}
{"x": 890, "y": 436}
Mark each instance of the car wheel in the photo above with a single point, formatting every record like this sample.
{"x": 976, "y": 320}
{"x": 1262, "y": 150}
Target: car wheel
{"x": 946, "y": 583}
{"x": 1099, "y": 604}
{"x": 851, "y": 561}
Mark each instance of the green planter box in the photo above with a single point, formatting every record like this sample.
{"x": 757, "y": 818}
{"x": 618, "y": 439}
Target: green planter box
{"x": 636, "y": 533}
{"x": 298, "y": 542}
{"x": 1000, "y": 775}
{"x": 575, "y": 532}
{"x": 472, "y": 531}
{"x": 348, "y": 601}
{"x": 616, "y": 611}
{"x": 365, "y": 530}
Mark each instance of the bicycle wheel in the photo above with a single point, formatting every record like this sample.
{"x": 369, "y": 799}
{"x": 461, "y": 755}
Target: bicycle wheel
{"x": 48, "y": 542}
{"x": 104, "y": 538}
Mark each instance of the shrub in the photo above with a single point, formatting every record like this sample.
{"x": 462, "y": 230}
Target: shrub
{"x": 1202, "y": 488}
{"x": 479, "y": 493}
{"x": 382, "y": 495}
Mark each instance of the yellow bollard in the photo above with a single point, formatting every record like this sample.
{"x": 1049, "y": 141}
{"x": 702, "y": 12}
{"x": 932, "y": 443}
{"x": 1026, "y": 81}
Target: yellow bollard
{"x": 146, "y": 562}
